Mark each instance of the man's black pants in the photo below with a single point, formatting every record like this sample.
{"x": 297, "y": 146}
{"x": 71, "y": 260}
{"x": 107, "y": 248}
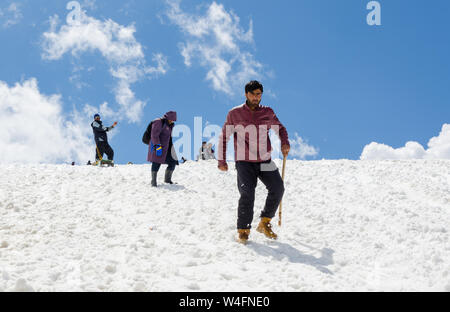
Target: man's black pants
{"x": 247, "y": 177}
{"x": 103, "y": 147}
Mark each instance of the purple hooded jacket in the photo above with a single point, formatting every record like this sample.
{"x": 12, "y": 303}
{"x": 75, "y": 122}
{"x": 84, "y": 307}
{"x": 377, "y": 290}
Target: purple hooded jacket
{"x": 161, "y": 134}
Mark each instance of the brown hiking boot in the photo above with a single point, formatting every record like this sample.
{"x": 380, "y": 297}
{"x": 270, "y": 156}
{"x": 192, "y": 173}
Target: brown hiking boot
{"x": 266, "y": 228}
{"x": 243, "y": 236}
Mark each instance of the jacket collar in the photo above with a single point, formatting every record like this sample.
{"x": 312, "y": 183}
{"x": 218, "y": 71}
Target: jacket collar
{"x": 248, "y": 108}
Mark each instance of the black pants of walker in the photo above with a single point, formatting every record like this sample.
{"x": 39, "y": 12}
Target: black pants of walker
{"x": 103, "y": 147}
{"x": 247, "y": 178}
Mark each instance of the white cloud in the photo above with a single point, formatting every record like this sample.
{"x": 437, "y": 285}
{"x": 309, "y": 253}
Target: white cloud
{"x": 104, "y": 110}
{"x": 34, "y": 130}
{"x": 215, "y": 40}
{"x": 10, "y": 15}
{"x": 438, "y": 148}
{"x": 90, "y": 4}
{"x": 76, "y": 78}
{"x": 117, "y": 44}
{"x": 300, "y": 149}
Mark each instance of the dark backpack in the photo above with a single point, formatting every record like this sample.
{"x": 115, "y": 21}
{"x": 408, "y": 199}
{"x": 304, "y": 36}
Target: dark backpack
{"x": 148, "y": 133}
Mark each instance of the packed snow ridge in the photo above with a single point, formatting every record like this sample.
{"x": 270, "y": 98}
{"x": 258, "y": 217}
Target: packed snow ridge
{"x": 347, "y": 226}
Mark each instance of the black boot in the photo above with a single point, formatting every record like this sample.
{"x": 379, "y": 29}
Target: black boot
{"x": 154, "y": 176}
{"x": 168, "y": 176}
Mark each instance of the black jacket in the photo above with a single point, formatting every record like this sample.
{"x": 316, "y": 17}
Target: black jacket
{"x": 100, "y": 131}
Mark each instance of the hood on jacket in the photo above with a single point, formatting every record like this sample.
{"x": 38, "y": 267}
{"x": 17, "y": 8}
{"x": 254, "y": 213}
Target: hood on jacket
{"x": 171, "y": 116}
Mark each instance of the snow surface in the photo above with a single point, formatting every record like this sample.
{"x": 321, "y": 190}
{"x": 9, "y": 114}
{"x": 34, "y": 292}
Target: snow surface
{"x": 347, "y": 226}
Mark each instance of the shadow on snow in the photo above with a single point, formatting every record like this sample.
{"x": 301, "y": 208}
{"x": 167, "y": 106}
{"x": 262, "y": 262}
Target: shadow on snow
{"x": 279, "y": 251}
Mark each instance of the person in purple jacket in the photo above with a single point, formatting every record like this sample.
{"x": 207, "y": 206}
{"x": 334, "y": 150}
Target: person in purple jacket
{"x": 250, "y": 123}
{"x": 161, "y": 150}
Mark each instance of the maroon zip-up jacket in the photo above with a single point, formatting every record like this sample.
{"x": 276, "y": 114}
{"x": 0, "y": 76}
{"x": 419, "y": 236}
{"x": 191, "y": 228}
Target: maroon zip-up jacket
{"x": 251, "y": 134}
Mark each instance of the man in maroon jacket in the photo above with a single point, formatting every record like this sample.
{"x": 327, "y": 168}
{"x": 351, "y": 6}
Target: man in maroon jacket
{"x": 250, "y": 124}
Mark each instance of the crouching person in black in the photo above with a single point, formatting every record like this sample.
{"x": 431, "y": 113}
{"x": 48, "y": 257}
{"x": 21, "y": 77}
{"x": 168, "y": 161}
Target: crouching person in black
{"x": 101, "y": 139}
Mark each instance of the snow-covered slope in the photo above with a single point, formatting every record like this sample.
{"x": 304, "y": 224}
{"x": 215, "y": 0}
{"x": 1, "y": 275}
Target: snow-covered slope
{"x": 348, "y": 226}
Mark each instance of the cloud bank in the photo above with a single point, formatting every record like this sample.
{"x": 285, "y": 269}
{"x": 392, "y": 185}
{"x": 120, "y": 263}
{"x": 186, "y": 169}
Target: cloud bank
{"x": 34, "y": 130}
{"x": 438, "y": 148}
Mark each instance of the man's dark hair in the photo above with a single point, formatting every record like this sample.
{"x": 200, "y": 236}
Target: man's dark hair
{"x": 252, "y": 86}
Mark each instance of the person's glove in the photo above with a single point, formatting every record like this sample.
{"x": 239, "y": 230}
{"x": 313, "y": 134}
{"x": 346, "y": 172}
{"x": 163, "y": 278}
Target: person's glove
{"x": 159, "y": 150}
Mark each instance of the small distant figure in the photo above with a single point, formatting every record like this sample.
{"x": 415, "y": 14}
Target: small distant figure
{"x": 210, "y": 152}
{"x": 101, "y": 139}
{"x": 89, "y": 163}
{"x": 183, "y": 160}
{"x": 73, "y": 163}
{"x": 206, "y": 152}
{"x": 129, "y": 163}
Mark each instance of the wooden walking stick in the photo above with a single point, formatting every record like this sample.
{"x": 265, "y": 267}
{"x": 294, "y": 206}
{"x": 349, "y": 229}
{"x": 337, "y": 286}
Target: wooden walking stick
{"x": 281, "y": 203}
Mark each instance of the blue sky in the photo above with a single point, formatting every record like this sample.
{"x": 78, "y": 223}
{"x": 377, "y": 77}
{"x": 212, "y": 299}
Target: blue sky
{"x": 335, "y": 82}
